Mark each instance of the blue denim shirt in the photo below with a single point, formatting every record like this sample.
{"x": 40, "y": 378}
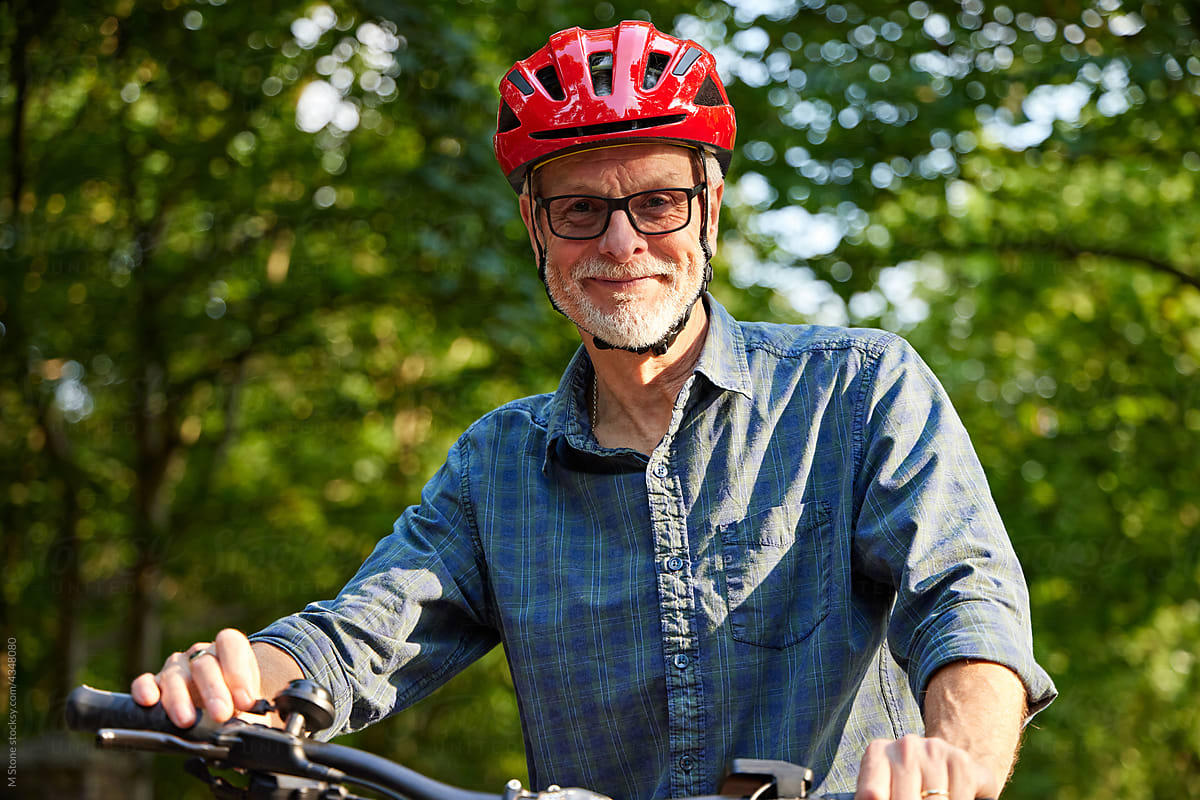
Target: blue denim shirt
{"x": 812, "y": 539}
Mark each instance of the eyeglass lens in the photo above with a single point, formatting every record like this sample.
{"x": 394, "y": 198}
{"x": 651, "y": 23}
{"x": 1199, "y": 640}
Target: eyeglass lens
{"x": 653, "y": 212}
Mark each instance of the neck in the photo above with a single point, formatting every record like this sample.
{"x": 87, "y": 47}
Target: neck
{"x": 636, "y": 392}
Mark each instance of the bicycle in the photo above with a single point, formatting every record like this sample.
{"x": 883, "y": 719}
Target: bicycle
{"x": 289, "y": 765}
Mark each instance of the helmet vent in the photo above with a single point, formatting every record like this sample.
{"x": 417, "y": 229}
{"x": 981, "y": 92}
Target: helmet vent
{"x": 601, "y": 66}
{"x": 518, "y": 80}
{"x": 685, "y": 63}
{"x": 708, "y": 94}
{"x": 548, "y": 78}
{"x": 623, "y": 126}
{"x": 656, "y": 65}
{"x": 508, "y": 120}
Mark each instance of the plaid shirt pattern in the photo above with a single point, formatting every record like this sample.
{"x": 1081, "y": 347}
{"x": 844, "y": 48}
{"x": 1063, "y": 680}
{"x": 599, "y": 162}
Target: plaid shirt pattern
{"x": 812, "y": 539}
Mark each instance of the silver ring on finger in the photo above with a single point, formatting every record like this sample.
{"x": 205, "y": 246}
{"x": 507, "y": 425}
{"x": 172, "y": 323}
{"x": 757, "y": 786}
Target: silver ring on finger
{"x": 203, "y": 651}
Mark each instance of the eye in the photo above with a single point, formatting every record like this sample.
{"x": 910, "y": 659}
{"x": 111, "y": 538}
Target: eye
{"x": 582, "y": 205}
{"x": 659, "y": 203}
{"x": 576, "y": 207}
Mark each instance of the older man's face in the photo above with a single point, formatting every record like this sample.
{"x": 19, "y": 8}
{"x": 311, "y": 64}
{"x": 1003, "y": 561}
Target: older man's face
{"x": 626, "y": 287}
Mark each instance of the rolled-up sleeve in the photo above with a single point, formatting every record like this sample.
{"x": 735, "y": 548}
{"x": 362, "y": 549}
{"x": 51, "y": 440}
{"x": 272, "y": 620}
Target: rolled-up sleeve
{"x": 416, "y": 612}
{"x": 927, "y": 525}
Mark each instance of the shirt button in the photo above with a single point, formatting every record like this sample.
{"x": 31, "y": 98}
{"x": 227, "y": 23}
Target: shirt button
{"x": 681, "y": 661}
{"x": 686, "y": 763}
{"x": 674, "y": 564}
{"x": 660, "y": 470}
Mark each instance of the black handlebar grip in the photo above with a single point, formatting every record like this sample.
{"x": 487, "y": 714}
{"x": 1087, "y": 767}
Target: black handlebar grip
{"x": 91, "y": 709}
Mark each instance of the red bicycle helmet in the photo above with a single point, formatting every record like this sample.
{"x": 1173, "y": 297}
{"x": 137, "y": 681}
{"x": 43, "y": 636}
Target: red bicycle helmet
{"x": 586, "y": 88}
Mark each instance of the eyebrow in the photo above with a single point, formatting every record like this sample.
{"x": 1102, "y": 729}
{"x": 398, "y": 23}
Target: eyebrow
{"x": 694, "y": 175}
{"x": 648, "y": 184}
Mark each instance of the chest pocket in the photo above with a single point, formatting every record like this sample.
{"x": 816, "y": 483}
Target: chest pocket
{"x": 776, "y": 566}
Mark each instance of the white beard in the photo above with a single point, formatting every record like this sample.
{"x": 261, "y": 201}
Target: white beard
{"x": 636, "y": 321}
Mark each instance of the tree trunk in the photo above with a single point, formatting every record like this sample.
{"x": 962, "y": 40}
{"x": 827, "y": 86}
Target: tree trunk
{"x": 155, "y": 444}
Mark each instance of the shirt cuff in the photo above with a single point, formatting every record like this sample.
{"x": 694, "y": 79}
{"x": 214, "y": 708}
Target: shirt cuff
{"x": 315, "y": 654}
{"x": 979, "y": 630}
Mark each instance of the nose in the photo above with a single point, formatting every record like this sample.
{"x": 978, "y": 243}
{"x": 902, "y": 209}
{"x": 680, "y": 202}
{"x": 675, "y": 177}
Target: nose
{"x": 621, "y": 242}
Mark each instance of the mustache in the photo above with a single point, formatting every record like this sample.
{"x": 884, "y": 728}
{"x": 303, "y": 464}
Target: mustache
{"x": 611, "y": 270}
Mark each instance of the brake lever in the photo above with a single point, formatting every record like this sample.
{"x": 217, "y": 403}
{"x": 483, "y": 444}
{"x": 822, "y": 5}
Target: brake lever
{"x": 128, "y": 739}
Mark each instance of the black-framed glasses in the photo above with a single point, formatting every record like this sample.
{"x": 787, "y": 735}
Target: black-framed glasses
{"x": 652, "y": 213}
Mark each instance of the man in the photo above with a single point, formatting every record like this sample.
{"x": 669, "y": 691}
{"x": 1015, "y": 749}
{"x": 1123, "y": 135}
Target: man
{"x": 716, "y": 539}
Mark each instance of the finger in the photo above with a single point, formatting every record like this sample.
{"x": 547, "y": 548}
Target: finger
{"x": 185, "y": 664}
{"x": 906, "y": 757}
{"x": 144, "y": 690}
{"x": 874, "y": 773}
{"x": 176, "y": 694}
{"x": 209, "y": 679}
{"x": 935, "y": 772}
{"x": 240, "y": 667}
{"x": 967, "y": 780}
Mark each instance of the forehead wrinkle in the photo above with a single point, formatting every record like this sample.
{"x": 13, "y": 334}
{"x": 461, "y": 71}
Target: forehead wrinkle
{"x": 617, "y": 173}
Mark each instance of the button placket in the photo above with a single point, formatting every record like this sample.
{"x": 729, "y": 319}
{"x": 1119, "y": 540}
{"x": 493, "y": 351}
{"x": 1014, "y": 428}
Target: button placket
{"x": 678, "y": 611}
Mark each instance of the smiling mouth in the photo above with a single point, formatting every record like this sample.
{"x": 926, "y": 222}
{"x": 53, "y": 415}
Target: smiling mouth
{"x": 622, "y": 281}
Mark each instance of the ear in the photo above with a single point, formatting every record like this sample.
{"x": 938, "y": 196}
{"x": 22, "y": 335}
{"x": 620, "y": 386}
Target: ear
{"x": 715, "y": 193}
{"x": 527, "y": 216}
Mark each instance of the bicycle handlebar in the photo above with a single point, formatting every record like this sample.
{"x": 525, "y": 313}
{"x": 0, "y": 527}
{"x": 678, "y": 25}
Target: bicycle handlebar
{"x": 91, "y": 709}
{"x": 120, "y": 723}
{"x": 287, "y": 764}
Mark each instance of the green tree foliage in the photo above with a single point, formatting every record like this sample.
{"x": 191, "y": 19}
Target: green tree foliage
{"x": 1015, "y": 188}
{"x": 238, "y": 337}
{"x": 260, "y": 269}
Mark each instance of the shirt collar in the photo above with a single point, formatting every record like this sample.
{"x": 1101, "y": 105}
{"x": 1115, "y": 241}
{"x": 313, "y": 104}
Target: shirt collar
{"x": 566, "y": 416}
{"x": 722, "y": 361}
